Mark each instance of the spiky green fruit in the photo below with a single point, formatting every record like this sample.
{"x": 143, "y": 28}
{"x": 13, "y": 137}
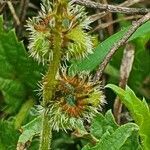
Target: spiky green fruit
{"x": 70, "y": 21}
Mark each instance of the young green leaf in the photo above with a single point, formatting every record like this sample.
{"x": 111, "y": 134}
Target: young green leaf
{"x": 139, "y": 111}
{"x": 112, "y": 136}
{"x": 115, "y": 140}
{"x": 30, "y": 130}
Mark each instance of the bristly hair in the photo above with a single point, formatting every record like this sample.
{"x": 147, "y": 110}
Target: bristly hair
{"x": 77, "y": 42}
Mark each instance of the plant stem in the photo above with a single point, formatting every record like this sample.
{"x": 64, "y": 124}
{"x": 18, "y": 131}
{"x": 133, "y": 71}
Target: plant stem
{"x": 125, "y": 69}
{"x": 49, "y": 84}
{"x": 46, "y": 134}
{"x": 112, "y": 8}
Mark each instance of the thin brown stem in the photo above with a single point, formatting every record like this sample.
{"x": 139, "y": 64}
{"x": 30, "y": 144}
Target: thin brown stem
{"x": 12, "y": 10}
{"x": 125, "y": 69}
{"x": 2, "y": 6}
{"x": 104, "y": 13}
{"x": 109, "y": 18}
{"x": 105, "y": 25}
{"x": 130, "y": 2}
{"x": 23, "y": 9}
{"x": 22, "y": 14}
{"x": 112, "y": 8}
{"x": 99, "y": 21}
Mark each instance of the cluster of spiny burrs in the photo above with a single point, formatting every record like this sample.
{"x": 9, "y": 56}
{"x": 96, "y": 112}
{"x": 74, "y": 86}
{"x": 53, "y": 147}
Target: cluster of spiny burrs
{"x": 77, "y": 99}
{"x": 73, "y": 26}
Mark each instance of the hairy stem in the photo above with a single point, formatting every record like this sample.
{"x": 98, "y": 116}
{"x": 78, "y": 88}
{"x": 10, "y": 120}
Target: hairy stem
{"x": 46, "y": 134}
{"x": 49, "y": 84}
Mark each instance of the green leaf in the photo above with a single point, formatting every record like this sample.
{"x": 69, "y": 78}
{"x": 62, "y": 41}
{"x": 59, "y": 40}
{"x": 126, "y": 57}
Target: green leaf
{"x": 139, "y": 111}
{"x": 1, "y": 23}
{"x": 9, "y": 86}
{"x": 132, "y": 143}
{"x": 8, "y": 136}
{"x": 101, "y": 124}
{"x": 30, "y": 130}
{"x": 16, "y": 61}
{"x": 144, "y": 29}
{"x": 112, "y": 136}
{"x": 19, "y": 74}
{"x": 93, "y": 60}
{"x": 115, "y": 140}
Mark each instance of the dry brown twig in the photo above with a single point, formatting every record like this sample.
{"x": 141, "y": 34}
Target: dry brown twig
{"x": 2, "y": 6}
{"x": 99, "y": 21}
{"x": 105, "y": 25}
{"x": 23, "y": 9}
{"x": 104, "y": 13}
{"x": 125, "y": 69}
{"x": 128, "y": 3}
{"x": 22, "y": 14}
{"x": 109, "y": 18}
{"x": 12, "y": 10}
{"x": 112, "y": 8}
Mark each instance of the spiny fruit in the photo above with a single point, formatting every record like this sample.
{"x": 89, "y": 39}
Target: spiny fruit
{"x": 76, "y": 99}
{"x": 67, "y": 19}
